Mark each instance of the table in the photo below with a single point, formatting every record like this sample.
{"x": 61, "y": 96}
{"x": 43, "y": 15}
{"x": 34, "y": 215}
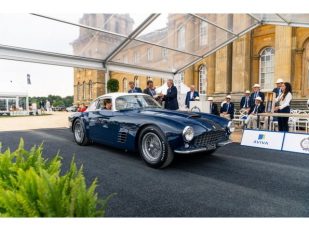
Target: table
{"x": 269, "y": 114}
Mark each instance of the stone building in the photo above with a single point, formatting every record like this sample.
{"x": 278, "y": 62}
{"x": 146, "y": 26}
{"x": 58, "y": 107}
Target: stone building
{"x": 260, "y": 56}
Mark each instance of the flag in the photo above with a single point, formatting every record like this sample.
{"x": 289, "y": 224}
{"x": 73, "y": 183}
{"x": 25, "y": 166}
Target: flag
{"x": 28, "y": 79}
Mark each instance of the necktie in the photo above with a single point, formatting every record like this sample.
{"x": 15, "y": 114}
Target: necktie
{"x": 246, "y": 105}
{"x": 255, "y": 110}
{"x": 255, "y": 95}
{"x": 227, "y": 108}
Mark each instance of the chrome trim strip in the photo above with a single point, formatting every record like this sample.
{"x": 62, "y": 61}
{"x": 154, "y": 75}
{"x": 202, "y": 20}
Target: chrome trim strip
{"x": 224, "y": 143}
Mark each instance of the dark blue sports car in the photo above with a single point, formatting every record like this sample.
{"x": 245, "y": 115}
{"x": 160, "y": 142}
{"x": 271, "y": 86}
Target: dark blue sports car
{"x": 137, "y": 122}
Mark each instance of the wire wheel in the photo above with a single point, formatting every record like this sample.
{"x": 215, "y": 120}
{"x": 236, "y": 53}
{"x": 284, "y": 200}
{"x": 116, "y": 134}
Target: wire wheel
{"x": 152, "y": 147}
{"x": 78, "y": 132}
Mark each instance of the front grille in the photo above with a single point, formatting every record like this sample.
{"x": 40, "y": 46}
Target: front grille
{"x": 208, "y": 138}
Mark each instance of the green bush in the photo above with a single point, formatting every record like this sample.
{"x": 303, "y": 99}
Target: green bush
{"x": 31, "y": 186}
{"x": 113, "y": 85}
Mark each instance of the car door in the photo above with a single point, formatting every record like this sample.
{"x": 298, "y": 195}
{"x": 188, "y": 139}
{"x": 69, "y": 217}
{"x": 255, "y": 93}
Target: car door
{"x": 102, "y": 127}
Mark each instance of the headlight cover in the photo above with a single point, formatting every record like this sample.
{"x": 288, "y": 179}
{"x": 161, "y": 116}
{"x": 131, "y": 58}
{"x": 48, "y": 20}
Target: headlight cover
{"x": 188, "y": 133}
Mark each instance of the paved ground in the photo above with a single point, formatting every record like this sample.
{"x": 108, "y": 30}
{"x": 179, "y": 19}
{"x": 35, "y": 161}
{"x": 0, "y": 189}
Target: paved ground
{"x": 236, "y": 181}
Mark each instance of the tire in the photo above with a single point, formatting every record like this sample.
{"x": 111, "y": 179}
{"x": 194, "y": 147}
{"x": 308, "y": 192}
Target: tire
{"x": 80, "y": 133}
{"x": 154, "y": 149}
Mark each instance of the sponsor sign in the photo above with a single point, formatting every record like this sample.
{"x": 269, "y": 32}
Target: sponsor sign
{"x": 262, "y": 139}
{"x": 294, "y": 142}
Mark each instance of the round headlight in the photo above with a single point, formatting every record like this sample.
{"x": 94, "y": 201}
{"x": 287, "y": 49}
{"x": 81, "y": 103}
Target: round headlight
{"x": 231, "y": 126}
{"x": 188, "y": 133}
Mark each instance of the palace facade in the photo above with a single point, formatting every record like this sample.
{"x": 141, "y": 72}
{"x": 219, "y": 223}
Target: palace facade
{"x": 260, "y": 56}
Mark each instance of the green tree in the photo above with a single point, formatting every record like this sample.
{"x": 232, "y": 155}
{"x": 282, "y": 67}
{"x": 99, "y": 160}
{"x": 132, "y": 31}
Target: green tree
{"x": 113, "y": 85}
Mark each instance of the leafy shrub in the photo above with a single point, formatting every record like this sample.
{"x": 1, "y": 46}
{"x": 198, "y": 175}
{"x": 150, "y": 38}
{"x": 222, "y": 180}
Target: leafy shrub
{"x": 31, "y": 186}
{"x": 113, "y": 85}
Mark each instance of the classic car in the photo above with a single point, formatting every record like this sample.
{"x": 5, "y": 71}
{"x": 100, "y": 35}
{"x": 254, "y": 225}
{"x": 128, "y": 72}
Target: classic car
{"x": 137, "y": 122}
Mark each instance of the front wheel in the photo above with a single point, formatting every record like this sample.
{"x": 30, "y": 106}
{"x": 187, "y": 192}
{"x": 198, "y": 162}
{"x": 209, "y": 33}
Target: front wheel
{"x": 79, "y": 133}
{"x": 154, "y": 149}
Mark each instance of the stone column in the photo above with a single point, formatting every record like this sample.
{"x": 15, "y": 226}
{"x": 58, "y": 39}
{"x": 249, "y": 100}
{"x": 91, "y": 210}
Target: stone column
{"x": 283, "y": 49}
{"x": 241, "y": 64}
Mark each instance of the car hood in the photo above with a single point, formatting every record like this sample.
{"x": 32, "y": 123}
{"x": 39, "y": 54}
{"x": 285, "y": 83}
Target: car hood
{"x": 186, "y": 118}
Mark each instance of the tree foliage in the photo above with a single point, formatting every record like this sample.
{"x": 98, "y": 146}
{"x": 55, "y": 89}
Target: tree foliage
{"x": 55, "y": 100}
{"x": 113, "y": 85}
{"x": 31, "y": 186}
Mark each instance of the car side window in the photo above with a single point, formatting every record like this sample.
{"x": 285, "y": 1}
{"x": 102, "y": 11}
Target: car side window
{"x": 93, "y": 106}
{"x": 102, "y": 103}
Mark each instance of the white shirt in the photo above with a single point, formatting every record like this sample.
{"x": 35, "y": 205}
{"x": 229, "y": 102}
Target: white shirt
{"x": 191, "y": 94}
{"x": 286, "y": 102}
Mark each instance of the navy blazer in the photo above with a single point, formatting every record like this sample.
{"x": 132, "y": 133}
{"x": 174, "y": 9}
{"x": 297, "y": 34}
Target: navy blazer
{"x": 277, "y": 91}
{"x": 260, "y": 109}
{"x": 230, "y": 111}
{"x": 148, "y": 92}
{"x": 252, "y": 98}
{"x": 243, "y": 102}
{"x": 170, "y": 99}
{"x": 214, "y": 109}
{"x": 135, "y": 90}
{"x": 195, "y": 94}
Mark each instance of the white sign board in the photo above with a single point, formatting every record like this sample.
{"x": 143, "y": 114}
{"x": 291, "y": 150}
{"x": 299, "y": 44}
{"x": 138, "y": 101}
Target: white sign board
{"x": 200, "y": 106}
{"x": 294, "y": 142}
{"x": 262, "y": 139}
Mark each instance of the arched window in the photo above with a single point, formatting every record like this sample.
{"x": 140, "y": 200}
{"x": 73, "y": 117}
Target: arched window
{"x": 267, "y": 68}
{"x": 84, "y": 90}
{"x": 136, "y": 81}
{"x": 77, "y": 91}
{"x": 202, "y": 80}
{"x": 125, "y": 85}
{"x": 90, "y": 89}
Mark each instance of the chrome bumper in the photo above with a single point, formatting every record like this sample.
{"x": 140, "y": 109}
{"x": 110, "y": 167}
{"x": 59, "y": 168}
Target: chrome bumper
{"x": 189, "y": 151}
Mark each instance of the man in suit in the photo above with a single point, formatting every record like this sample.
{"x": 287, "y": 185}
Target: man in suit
{"x": 245, "y": 102}
{"x": 227, "y": 109}
{"x": 213, "y": 106}
{"x": 170, "y": 98}
{"x": 258, "y": 107}
{"x": 256, "y": 92}
{"x": 277, "y": 89}
{"x": 191, "y": 95}
{"x": 134, "y": 89}
{"x": 150, "y": 90}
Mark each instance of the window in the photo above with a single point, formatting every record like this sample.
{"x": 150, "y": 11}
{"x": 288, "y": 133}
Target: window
{"x": 202, "y": 80}
{"x": 267, "y": 69}
{"x": 90, "y": 89}
{"x": 136, "y": 81}
{"x": 125, "y": 85}
{"x": 84, "y": 90}
{"x": 78, "y": 91}
{"x": 181, "y": 38}
{"x": 136, "y": 58}
{"x": 149, "y": 54}
{"x": 203, "y": 33}
{"x": 164, "y": 53}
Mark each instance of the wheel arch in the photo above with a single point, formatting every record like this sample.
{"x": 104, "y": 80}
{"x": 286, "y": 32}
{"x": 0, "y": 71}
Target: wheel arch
{"x": 140, "y": 129}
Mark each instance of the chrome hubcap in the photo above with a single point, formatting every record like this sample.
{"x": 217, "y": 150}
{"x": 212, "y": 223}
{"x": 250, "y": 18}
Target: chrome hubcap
{"x": 152, "y": 147}
{"x": 78, "y": 132}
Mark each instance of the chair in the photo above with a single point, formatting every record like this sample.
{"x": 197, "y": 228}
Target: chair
{"x": 239, "y": 117}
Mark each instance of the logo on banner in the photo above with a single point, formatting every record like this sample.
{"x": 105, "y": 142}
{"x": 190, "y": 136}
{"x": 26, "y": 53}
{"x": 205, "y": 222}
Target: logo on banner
{"x": 261, "y": 140}
{"x": 305, "y": 144}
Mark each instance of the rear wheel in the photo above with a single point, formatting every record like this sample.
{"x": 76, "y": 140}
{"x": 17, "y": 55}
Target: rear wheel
{"x": 79, "y": 133}
{"x": 154, "y": 149}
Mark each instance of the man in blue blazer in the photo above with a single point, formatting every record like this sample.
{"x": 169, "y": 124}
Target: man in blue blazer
{"x": 227, "y": 109}
{"x": 134, "y": 89}
{"x": 245, "y": 101}
{"x": 277, "y": 89}
{"x": 256, "y": 93}
{"x": 191, "y": 95}
{"x": 170, "y": 98}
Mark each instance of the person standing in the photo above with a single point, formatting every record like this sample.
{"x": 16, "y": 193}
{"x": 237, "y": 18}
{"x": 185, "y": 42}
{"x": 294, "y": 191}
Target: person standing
{"x": 277, "y": 89}
{"x": 191, "y": 95}
{"x": 48, "y": 106}
{"x": 150, "y": 90}
{"x": 134, "y": 89}
{"x": 284, "y": 100}
{"x": 227, "y": 109}
{"x": 256, "y": 92}
{"x": 170, "y": 98}
{"x": 213, "y": 106}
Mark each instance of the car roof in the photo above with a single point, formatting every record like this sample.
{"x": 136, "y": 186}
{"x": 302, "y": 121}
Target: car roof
{"x": 117, "y": 94}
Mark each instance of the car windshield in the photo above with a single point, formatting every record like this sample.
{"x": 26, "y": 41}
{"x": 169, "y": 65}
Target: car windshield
{"x": 135, "y": 102}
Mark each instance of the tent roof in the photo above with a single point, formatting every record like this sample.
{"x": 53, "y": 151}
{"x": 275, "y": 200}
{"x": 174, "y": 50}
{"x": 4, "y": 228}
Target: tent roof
{"x": 155, "y": 44}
